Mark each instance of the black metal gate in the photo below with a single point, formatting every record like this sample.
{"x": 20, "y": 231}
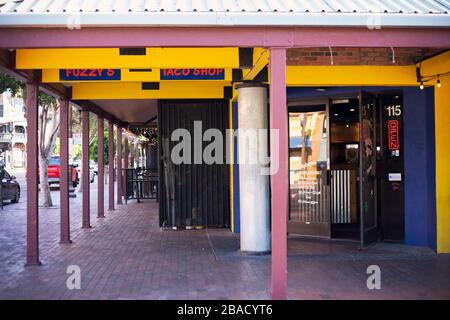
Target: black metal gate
{"x": 139, "y": 184}
{"x": 193, "y": 194}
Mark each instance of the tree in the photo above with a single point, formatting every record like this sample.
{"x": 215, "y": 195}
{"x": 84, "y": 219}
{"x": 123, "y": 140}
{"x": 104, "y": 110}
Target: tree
{"x": 93, "y": 148}
{"x": 47, "y": 129}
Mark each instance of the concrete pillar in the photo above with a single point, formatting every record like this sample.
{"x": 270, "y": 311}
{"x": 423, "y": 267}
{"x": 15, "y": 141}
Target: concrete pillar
{"x": 64, "y": 173}
{"x": 85, "y": 169}
{"x": 279, "y": 178}
{"x": 101, "y": 169}
{"x": 253, "y": 183}
{"x": 119, "y": 165}
{"x": 32, "y": 175}
{"x": 111, "y": 165}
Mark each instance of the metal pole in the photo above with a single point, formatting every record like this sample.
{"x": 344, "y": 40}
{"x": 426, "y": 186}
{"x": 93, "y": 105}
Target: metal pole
{"x": 64, "y": 171}
{"x": 119, "y": 165}
{"x": 101, "y": 168}
{"x": 32, "y": 175}
{"x": 132, "y": 154}
{"x": 85, "y": 168}
{"x": 126, "y": 152}
{"x": 279, "y": 179}
{"x": 111, "y": 165}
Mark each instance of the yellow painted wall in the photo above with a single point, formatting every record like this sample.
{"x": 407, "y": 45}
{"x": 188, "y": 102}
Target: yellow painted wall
{"x": 440, "y": 65}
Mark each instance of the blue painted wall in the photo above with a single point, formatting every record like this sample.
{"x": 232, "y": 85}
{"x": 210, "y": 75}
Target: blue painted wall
{"x": 419, "y": 161}
{"x": 420, "y": 185}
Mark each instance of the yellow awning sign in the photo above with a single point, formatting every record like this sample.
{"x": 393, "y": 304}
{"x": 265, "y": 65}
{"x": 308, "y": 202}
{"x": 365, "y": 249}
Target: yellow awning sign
{"x": 103, "y": 58}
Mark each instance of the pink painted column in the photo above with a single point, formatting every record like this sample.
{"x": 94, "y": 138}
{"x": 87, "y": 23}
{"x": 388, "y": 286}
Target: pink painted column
{"x": 119, "y": 165}
{"x": 111, "y": 165}
{"x": 64, "y": 171}
{"x": 279, "y": 179}
{"x": 32, "y": 175}
{"x": 126, "y": 152}
{"x": 101, "y": 168}
{"x": 85, "y": 168}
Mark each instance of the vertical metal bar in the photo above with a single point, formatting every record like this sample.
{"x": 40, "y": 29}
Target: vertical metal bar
{"x": 85, "y": 168}
{"x": 126, "y": 152}
{"x": 101, "y": 168}
{"x": 340, "y": 197}
{"x": 111, "y": 165}
{"x": 126, "y": 186}
{"x": 119, "y": 165}
{"x": 64, "y": 171}
{"x": 32, "y": 175}
{"x": 132, "y": 154}
{"x": 279, "y": 181}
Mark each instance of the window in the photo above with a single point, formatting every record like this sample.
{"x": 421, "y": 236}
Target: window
{"x": 1, "y": 111}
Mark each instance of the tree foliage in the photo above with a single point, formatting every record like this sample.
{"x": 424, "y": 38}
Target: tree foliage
{"x": 8, "y": 83}
{"x": 47, "y": 128}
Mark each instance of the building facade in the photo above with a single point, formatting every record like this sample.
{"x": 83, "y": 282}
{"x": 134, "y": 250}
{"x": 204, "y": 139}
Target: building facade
{"x": 13, "y": 127}
{"x": 355, "y": 97}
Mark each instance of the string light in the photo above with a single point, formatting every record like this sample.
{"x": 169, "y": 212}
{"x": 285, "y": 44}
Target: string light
{"x": 439, "y": 82}
{"x": 422, "y": 85}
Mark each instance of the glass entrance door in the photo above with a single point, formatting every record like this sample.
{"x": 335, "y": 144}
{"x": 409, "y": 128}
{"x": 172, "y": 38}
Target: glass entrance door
{"x": 309, "y": 176}
{"x": 367, "y": 169}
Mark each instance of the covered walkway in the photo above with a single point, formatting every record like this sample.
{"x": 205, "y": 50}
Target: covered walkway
{"x": 126, "y": 256}
{"x": 122, "y": 72}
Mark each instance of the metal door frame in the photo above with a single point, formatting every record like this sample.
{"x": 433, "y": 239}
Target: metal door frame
{"x": 372, "y": 232}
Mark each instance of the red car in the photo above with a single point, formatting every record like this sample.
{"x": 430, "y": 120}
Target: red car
{"x": 53, "y": 172}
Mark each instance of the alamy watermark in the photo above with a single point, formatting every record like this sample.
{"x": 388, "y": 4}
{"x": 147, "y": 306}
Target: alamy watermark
{"x": 73, "y": 282}
{"x": 212, "y": 146}
{"x": 374, "y": 280}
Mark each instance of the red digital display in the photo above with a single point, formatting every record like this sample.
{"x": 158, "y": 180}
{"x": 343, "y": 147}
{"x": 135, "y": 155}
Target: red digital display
{"x": 393, "y": 135}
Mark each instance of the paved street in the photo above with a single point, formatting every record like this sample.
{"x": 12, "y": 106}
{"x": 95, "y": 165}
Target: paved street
{"x": 127, "y": 256}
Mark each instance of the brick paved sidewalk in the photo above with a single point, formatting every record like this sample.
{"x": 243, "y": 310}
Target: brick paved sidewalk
{"x": 126, "y": 256}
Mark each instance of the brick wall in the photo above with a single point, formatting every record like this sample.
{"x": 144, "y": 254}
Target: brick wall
{"x": 357, "y": 56}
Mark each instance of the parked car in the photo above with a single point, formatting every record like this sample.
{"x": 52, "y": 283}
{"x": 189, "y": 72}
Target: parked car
{"x": 54, "y": 174}
{"x": 78, "y": 165}
{"x": 10, "y": 188}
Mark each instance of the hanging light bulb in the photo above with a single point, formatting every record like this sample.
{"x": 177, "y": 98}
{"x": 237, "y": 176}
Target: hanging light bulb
{"x": 439, "y": 83}
{"x": 422, "y": 85}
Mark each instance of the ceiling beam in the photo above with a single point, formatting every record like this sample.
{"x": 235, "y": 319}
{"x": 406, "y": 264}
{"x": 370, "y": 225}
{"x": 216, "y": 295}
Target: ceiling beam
{"x": 288, "y": 37}
{"x": 260, "y": 61}
{"x": 142, "y": 125}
